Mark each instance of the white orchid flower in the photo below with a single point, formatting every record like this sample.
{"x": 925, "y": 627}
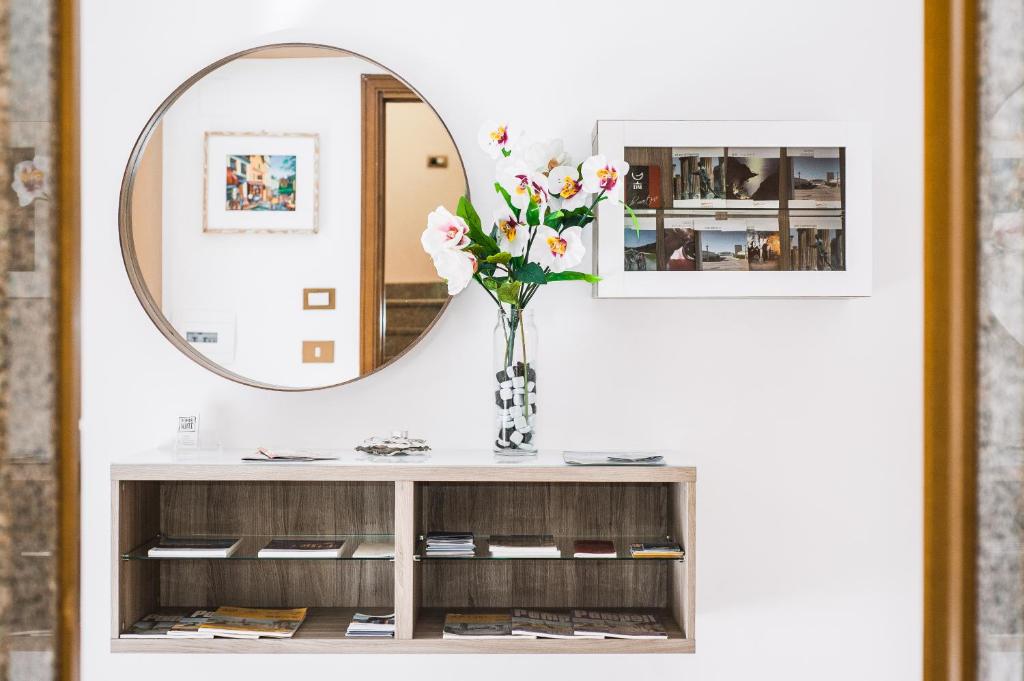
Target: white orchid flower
{"x": 558, "y": 252}
{"x": 522, "y": 185}
{"x": 542, "y": 155}
{"x": 496, "y": 138}
{"x": 600, "y": 174}
{"x": 444, "y": 232}
{"x": 565, "y": 186}
{"x": 455, "y": 267}
{"x": 32, "y": 180}
{"x": 513, "y": 235}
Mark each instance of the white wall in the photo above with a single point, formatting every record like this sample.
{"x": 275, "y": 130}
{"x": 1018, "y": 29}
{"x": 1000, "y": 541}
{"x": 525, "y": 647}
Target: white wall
{"x": 258, "y": 278}
{"x": 809, "y": 521}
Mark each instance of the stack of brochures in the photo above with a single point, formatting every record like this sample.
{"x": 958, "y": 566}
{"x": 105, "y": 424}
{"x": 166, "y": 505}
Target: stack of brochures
{"x": 375, "y": 549}
{"x": 529, "y": 623}
{"x": 593, "y": 548}
{"x": 477, "y": 625}
{"x": 598, "y": 624}
{"x": 613, "y": 458}
{"x": 666, "y": 549}
{"x": 194, "y": 547}
{"x": 303, "y": 548}
{"x": 371, "y": 626}
{"x": 524, "y": 546}
{"x": 227, "y": 622}
{"x": 450, "y": 545}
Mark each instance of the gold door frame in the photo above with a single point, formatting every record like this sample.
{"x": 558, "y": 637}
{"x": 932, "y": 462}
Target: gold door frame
{"x": 950, "y": 326}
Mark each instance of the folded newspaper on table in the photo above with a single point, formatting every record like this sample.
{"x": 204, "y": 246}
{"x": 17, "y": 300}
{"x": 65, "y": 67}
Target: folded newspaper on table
{"x": 613, "y": 458}
{"x": 231, "y": 622}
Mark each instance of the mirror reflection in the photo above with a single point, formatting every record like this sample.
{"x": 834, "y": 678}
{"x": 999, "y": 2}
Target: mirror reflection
{"x": 271, "y": 222}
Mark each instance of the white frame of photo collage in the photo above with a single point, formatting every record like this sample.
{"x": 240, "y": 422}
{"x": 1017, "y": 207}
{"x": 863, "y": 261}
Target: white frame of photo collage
{"x": 611, "y": 138}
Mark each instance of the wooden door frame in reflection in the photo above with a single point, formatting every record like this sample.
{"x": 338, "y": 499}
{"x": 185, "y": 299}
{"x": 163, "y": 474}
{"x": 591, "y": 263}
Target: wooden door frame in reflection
{"x": 950, "y": 328}
{"x": 377, "y": 91}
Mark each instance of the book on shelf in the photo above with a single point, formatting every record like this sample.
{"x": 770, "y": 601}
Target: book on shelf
{"x": 478, "y": 625}
{"x": 667, "y": 549}
{"x": 541, "y": 623}
{"x": 601, "y": 624}
{"x": 194, "y": 547}
{"x": 188, "y": 626}
{"x": 371, "y": 626}
{"x": 233, "y": 622}
{"x": 613, "y": 458}
{"x": 152, "y": 626}
{"x": 302, "y": 548}
{"x": 593, "y": 548}
{"x": 524, "y": 546}
{"x": 451, "y": 544}
{"x": 375, "y": 549}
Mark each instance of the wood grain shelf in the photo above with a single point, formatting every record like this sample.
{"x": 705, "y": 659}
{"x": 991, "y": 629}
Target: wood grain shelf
{"x": 216, "y": 494}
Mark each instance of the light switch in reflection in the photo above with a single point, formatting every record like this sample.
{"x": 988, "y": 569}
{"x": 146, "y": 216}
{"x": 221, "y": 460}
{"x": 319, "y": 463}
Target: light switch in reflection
{"x": 318, "y": 299}
{"x": 318, "y": 352}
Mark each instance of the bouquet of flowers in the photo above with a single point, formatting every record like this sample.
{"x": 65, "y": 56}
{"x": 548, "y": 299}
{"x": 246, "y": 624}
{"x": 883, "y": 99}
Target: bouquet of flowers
{"x": 534, "y": 238}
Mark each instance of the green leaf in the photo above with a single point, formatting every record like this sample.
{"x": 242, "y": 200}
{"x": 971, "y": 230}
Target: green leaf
{"x": 476, "y": 232}
{"x": 552, "y": 218}
{"x": 508, "y": 198}
{"x": 490, "y": 283}
{"x": 632, "y": 216}
{"x": 573, "y": 276}
{"x": 531, "y": 273}
{"x": 466, "y": 211}
{"x": 533, "y": 214}
{"x": 486, "y": 268}
{"x": 502, "y": 258}
{"x": 477, "y": 250}
{"x": 509, "y": 292}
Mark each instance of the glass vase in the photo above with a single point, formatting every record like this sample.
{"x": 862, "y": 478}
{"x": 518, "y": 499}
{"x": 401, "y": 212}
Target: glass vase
{"x": 515, "y": 386}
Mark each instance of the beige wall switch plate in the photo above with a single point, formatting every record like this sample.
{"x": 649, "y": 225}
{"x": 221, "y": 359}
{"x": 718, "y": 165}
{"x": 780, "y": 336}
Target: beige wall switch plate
{"x": 317, "y": 352}
{"x": 318, "y": 299}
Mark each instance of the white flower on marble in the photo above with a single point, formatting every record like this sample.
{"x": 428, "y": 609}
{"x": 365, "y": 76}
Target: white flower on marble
{"x": 32, "y": 180}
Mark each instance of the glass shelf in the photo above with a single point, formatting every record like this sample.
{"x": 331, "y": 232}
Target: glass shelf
{"x": 565, "y": 548}
{"x": 251, "y": 544}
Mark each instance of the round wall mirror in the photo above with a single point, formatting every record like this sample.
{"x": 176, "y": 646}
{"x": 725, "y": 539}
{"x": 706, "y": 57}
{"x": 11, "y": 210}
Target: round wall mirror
{"x": 271, "y": 211}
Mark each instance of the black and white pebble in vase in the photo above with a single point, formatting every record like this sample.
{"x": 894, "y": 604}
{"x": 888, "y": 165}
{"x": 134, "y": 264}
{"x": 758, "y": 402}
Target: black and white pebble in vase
{"x": 516, "y": 398}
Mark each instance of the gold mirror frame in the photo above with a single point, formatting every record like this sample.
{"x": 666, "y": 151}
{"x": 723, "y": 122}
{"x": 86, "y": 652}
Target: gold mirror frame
{"x": 124, "y": 220}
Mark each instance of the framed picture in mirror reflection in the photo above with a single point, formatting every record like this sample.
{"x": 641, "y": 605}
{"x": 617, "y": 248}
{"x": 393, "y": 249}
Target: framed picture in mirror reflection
{"x": 261, "y": 182}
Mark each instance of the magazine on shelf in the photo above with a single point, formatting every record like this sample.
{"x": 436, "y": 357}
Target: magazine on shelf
{"x": 194, "y": 547}
{"x": 152, "y": 626}
{"x": 232, "y": 622}
{"x": 375, "y": 549}
{"x": 613, "y": 458}
{"x": 188, "y": 627}
{"x": 302, "y": 548}
{"x": 523, "y": 546}
{"x": 478, "y": 626}
{"x": 371, "y": 626}
{"x": 541, "y": 623}
{"x": 451, "y": 544}
{"x": 601, "y": 624}
{"x": 593, "y": 548}
{"x": 668, "y": 549}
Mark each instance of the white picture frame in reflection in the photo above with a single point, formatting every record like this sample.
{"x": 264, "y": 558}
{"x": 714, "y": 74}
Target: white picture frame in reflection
{"x": 261, "y": 182}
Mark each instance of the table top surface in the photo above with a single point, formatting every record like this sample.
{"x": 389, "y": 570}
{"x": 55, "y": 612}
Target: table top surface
{"x": 468, "y": 465}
